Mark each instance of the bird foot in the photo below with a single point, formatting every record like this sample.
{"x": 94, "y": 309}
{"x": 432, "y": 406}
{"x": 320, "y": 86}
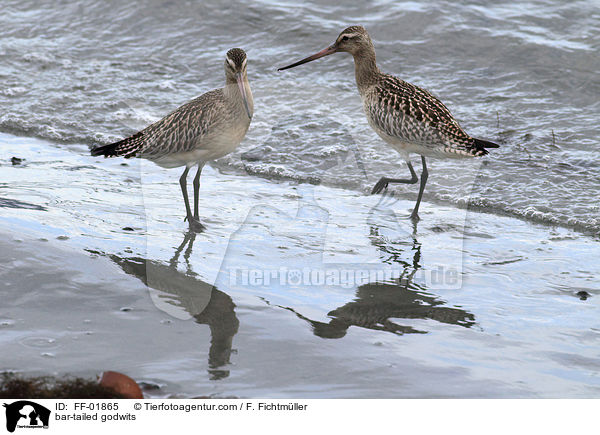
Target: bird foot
{"x": 382, "y": 184}
{"x": 415, "y": 217}
{"x": 195, "y": 225}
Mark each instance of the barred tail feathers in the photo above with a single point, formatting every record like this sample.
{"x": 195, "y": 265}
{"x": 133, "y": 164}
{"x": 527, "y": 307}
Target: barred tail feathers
{"x": 128, "y": 147}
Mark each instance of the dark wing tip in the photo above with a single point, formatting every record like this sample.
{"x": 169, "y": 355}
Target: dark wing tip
{"x": 127, "y": 147}
{"x": 481, "y": 144}
{"x": 97, "y": 151}
{"x": 105, "y": 150}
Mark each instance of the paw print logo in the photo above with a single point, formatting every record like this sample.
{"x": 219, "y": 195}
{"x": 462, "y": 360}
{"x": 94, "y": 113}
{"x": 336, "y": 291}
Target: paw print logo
{"x": 294, "y": 277}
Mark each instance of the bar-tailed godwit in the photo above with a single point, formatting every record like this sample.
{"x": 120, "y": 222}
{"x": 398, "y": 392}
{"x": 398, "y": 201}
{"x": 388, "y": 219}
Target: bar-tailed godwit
{"x": 407, "y": 117}
{"x": 207, "y": 128}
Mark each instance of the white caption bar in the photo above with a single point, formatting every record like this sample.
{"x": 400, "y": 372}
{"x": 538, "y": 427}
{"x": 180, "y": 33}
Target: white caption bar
{"x": 295, "y": 416}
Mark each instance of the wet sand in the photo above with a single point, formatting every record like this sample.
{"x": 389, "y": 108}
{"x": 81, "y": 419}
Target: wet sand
{"x": 295, "y": 290}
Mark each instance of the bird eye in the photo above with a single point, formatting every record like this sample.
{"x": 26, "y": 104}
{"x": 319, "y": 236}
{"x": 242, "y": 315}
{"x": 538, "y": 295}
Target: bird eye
{"x": 344, "y": 38}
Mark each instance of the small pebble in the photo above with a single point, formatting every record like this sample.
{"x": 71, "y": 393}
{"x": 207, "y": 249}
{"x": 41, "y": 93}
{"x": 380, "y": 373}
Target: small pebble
{"x": 62, "y": 238}
{"x": 16, "y": 161}
{"x": 583, "y": 295}
{"x": 128, "y": 229}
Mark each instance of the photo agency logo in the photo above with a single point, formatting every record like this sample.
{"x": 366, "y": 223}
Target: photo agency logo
{"x": 25, "y": 414}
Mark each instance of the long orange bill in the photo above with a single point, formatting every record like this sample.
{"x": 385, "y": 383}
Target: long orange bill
{"x": 329, "y": 50}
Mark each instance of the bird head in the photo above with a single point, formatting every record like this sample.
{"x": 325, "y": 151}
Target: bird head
{"x": 352, "y": 40}
{"x": 235, "y": 71}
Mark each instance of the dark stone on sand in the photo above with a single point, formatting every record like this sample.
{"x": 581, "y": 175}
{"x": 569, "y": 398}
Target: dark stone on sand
{"x": 16, "y": 161}
{"x": 583, "y": 295}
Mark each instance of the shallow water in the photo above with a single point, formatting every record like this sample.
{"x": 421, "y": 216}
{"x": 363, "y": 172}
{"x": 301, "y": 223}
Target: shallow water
{"x": 524, "y": 75}
{"x": 467, "y": 305}
{"x": 303, "y": 286}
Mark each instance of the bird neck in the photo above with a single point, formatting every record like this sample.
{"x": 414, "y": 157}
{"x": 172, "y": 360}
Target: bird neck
{"x": 365, "y": 67}
{"x": 232, "y": 92}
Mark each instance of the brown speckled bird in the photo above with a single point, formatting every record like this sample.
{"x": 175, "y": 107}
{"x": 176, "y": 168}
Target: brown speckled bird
{"x": 207, "y": 128}
{"x": 407, "y": 117}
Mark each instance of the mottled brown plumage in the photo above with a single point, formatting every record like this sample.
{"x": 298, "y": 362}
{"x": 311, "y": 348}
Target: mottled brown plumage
{"x": 188, "y": 130}
{"x": 206, "y": 128}
{"x": 406, "y": 112}
{"x": 407, "y": 117}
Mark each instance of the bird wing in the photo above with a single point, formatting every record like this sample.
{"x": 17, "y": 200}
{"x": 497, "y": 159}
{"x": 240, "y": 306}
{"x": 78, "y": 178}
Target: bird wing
{"x": 183, "y": 129}
{"x": 413, "y": 115}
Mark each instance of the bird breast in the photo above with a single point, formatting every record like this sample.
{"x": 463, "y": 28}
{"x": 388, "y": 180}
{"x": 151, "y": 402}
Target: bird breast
{"x": 224, "y": 139}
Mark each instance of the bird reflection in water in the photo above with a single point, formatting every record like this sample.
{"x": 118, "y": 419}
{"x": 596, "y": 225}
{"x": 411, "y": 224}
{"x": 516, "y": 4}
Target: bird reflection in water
{"x": 379, "y": 306}
{"x": 376, "y": 304}
{"x": 208, "y": 305}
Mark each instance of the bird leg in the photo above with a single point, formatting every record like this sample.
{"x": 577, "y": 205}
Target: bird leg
{"x": 183, "y": 184}
{"x": 384, "y": 181}
{"x": 424, "y": 175}
{"x": 195, "y": 225}
{"x": 197, "y": 189}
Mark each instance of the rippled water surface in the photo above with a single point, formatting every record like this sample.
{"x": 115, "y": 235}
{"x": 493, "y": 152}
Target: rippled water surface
{"x": 99, "y": 274}
{"x": 524, "y": 75}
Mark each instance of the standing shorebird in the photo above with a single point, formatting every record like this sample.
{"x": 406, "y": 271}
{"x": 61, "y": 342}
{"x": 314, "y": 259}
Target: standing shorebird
{"x": 407, "y": 117}
{"x": 207, "y": 128}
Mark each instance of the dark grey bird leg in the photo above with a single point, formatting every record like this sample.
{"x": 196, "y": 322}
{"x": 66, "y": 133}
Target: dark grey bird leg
{"x": 424, "y": 175}
{"x": 197, "y": 189}
{"x": 195, "y": 225}
{"x": 183, "y": 184}
{"x": 384, "y": 181}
